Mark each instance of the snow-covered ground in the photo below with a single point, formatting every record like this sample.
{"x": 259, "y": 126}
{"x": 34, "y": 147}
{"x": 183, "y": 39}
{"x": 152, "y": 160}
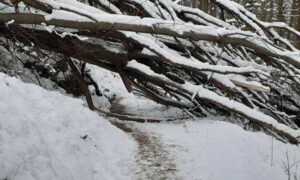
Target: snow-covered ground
{"x": 214, "y": 150}
{"x": 45, "y": 135}
{"x": 209, "y": 148}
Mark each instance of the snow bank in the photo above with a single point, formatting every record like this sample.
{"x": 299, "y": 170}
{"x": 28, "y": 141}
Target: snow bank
{"x": 215, "y": 150}
{"x": 45, "y": 135}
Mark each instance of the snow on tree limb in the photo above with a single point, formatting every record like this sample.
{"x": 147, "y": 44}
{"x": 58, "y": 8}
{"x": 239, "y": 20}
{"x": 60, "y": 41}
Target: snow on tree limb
{"x": 174, "y": 55}
{"x": 202, "y": 93}
{"x": 155, "y": 26}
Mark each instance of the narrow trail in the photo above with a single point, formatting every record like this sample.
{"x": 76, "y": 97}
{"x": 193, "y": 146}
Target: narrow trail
{"x": 153, "y": 160}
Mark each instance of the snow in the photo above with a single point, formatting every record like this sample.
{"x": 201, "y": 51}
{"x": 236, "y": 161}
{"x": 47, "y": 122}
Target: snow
{"x": 61, "y": 13}
{"x": 39, "y": 140}
{"x": 211, "y": 150}
{"x": 211, "y": 96}
{"x": 41, "y": 137}
{"x": 151, "y": 9}
{"x": 79, "y": 12}
{"x": 73, "y": 5}
{"x": 110, "y": 84}
{"x": 42, "y": 133}
{"x": 10, "y": 22}
{"x": 147, "y": 108}
{"x": 111, "y": 6}
{"x": 175, "y": 58}
{"x": 137, "y": 106}
{"x": 200, "y": 14}
{"x": 245, "y": 110}
{"x": 251, "y": 20}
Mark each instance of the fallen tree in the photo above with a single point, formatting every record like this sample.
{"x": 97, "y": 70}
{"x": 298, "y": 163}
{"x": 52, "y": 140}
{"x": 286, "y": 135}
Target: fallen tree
{"x": 174, "y": 55}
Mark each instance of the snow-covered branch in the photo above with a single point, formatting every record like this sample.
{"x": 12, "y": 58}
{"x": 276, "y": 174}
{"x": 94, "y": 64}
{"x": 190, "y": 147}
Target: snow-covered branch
{"x": 174, "y": 55}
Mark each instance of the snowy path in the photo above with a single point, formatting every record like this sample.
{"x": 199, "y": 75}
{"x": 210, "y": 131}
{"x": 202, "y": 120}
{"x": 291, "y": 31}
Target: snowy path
{"x": 153, "y": 159}
{"x": 207, "y": 149}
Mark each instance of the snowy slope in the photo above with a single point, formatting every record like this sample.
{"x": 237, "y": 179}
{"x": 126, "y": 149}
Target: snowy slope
{"x": 42, "y": 136}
